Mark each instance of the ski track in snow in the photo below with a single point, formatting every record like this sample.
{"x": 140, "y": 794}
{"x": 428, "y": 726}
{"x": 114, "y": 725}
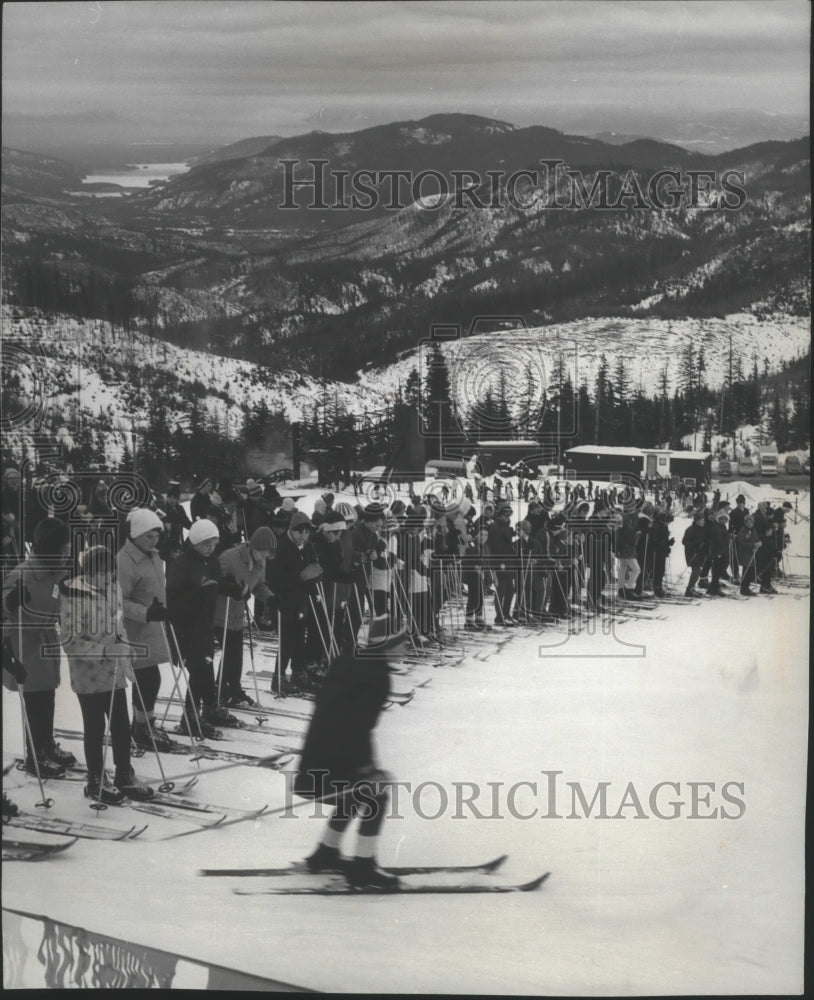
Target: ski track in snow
{"x": 633, "y": 906}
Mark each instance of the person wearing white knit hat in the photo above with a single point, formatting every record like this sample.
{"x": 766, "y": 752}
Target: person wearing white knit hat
{"x": 143, "y": 586}
{"x": 194, "y": 580}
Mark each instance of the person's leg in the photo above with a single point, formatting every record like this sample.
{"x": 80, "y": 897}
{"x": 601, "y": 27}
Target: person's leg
{"x": 93, "y": 708}
{"x": 145, "y": 694}
{"x": 232, "y": 664}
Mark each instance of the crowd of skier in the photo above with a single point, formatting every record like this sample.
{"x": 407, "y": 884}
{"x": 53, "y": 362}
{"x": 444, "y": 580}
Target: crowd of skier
{"x": 119, "y": 592}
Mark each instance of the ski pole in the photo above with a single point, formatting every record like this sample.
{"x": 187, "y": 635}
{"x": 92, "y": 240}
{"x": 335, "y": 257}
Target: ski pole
{"x": 221, "y": 669}
{"x": 319, "y": 627}
{"x": 166, "y": 786}
{"x": 251, "y": 655}
{"x": 280, "y": 667}
{"x": 177, "y": 687}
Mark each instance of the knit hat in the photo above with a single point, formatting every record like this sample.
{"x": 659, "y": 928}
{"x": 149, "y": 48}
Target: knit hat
{"x": 333, "y": 521}
{"x": 263, "y": 540}
{"x": 288, "y": 504}
{"x": 254, "y": 489}
{"x": 202, "y": 531}
{"x": 373, "y": 511}
{"x": 50, "y": 537}
{"x": 299, "y": 520}
{"x": 140, "y": 521}
{"x": 346, "y": 512}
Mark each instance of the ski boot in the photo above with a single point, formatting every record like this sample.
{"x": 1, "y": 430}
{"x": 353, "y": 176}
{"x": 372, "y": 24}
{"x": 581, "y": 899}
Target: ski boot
{"x": 131, "y": 786}
{"x": 218, "y": 716}
{"x": 101, "y": 790}
{"x": 62, "y": 757}
{"x": 325, "y": 859}
{"x": 364, "y": 874}
{"x": 240, "y": 698}
{"x": 44, "y": 766}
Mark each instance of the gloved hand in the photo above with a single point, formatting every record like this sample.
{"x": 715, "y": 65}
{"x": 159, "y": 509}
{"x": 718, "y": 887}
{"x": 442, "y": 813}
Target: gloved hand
{"x": 12, "y": 664}
{"x": 17, "y": 596}
{"x": 311, "y": 572}
{"x": 156, "y": 612}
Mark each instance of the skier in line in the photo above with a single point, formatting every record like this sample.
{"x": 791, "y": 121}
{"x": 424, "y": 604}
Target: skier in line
{"x": 144, "y": 593}
{"x": 338, "y": 762}
{"x": 99, "y": 662}
{"x": 194, "y": 581}
{"x": 292, "y": 576}
{"x": 244, "y": 563}
{"x": 31, "y": 611}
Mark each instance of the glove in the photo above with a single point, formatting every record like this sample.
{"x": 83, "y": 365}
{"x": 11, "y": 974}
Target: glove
{"x": 156, "y": 612}
{"x": 17, "y": 596}
{"x": 311, "y": 572}
{"x": 12, "y": 664}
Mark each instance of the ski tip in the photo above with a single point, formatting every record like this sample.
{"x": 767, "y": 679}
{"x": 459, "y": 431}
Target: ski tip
{"x": 494, "y": 865}
{"x": 534, "y": 884}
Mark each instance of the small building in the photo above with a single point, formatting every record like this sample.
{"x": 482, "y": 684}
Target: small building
{"x": 606, "y": 462}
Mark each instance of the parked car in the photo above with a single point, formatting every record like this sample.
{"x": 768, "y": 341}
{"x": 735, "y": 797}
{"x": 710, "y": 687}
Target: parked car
{"x": 794, "y": 467}
{"x": 807, "y": 466}
{"x": 724, "y": 467}
{"x": 746, "y": 467}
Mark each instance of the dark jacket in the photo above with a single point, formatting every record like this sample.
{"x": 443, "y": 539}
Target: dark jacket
{"x": 339, "y": 742}
{"x": 695, "y": 544}
{"x": 193, "y": 585}
{"x": 718, "y": 539}
{"x": 500, "y": 541}
{"x": 284, "y": 574}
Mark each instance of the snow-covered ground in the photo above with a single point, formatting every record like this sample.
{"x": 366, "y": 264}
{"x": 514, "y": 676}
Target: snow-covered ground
{"x": 713, "y": 698}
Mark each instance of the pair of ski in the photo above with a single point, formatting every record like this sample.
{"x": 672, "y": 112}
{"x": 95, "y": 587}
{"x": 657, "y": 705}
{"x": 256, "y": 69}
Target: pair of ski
{"x": 201, "y": 751}
{"x": 73, "y": 828}
{"x": 296, "y": 880}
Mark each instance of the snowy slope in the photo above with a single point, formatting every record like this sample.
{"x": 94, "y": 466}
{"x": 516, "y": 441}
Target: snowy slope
{"x": 715, "y": 693}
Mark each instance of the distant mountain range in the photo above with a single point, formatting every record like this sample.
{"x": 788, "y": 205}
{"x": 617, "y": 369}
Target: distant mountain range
{"x": 212, "y": 260}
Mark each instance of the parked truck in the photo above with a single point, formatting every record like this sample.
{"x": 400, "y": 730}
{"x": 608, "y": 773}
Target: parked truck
{"x": 767, "y": 459}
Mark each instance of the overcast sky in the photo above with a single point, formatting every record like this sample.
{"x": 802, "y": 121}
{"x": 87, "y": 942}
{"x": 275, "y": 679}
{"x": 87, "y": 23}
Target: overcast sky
{"x": 228, "y": 70}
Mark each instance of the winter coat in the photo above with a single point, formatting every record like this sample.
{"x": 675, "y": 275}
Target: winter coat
{"x": 284, "y": 574}
{"x": 736, "y": 519}
{"x": 718, "y": 539}
{"x": 193, "y": 585}
{"x": 337, "y": 568}
{"x": 660, "y": 537}
{"x": 99, "y": 658}
{"x": 500, "y": 541}
{"x": 256, "y": 514}
{"x": 237, "y": 565}
{"x": 39, "y": 616}
{"x": 141, "y": 579}
{"x": 175, "y": 521}
{"x": 339, "y": 740}
{"x": 626, "y": 538}
{"x": 747, "y": 542}
{"x": 695, "y": 544}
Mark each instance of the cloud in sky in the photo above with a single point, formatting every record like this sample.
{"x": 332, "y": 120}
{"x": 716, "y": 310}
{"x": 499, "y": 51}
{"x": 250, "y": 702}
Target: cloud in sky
{"x": 235, "y": 68}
